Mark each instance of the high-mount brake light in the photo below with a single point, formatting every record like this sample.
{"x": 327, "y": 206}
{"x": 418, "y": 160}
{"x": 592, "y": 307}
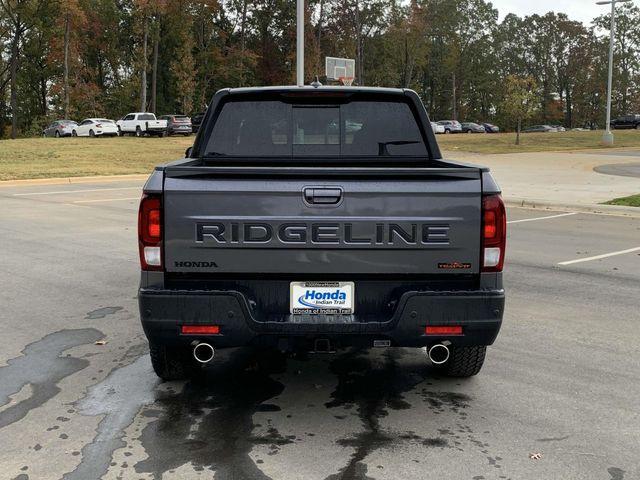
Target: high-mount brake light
{"x": 494, "y": 233}
{"x": 150, "y": 232}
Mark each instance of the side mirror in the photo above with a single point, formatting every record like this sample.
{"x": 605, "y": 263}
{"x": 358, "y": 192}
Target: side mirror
{"x": 187, "y": 152}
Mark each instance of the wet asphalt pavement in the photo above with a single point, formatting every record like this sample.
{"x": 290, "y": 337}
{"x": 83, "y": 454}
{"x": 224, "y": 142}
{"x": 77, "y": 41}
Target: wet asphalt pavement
{"x": 78, "y": 399}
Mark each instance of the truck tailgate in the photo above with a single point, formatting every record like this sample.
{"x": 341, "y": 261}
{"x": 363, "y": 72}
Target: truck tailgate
{"x": 422, "y": 223}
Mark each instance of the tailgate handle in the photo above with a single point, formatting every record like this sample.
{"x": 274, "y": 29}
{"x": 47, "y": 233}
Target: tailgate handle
{"x": 323, "y": 196}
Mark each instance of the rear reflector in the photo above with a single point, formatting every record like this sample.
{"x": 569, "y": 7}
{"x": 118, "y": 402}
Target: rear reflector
{"x": 443, "y": 330}
{"x": 200, "y": 329}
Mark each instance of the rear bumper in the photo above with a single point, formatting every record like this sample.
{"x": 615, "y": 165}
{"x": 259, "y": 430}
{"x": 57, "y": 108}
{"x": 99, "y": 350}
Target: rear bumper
{"x": 163, "y": 312}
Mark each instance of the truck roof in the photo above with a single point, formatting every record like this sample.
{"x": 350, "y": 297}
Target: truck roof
{"x": 324, "y": 88}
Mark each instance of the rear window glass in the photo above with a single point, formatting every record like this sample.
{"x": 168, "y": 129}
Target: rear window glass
{"x": 274, "y": 128}
{"x": 146, "y": 116}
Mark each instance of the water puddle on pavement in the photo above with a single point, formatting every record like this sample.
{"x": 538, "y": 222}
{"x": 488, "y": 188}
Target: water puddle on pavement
{"x": 41, "y": 367}
{"x": 253, "y": 413}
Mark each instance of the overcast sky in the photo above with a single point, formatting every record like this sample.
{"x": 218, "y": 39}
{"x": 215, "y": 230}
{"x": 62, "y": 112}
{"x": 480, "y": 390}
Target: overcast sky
{"x": 582, "y": 10}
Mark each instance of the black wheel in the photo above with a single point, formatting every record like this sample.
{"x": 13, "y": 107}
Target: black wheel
{"x": 447, "y": 130}
{"x": 57, "y": 134}
{"x": 638, "y": 127}
{"x": 92, "y": 133}
{"x": 138, "y": 132}
{"x": 74, "y": 134}
{"x": 120, "y": 134}
{"x": 464, "y": 361}
{"x": 165, "y": 133}
{"x": 172, "y": 363}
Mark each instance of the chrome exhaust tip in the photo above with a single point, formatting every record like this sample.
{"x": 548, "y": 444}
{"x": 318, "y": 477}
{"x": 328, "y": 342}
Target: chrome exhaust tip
{"x": 203, "y": 352}
{"x": 438, "y": 354}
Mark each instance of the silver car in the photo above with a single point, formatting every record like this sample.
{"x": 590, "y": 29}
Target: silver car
{"x": 450, "y": 126}
{"x": 60, "y": 128}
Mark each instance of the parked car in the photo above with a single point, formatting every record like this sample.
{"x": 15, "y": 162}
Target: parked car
{"x": 490, "y": 128}
{"x": 626, "y": 121}
{"x": 196, "y": 121}
{"x": 470, "y": 127}
{"x": 437, "y": 128}
{"x": 178, "y": 124}
{"x": 141, "y": 123}
{"x": 559, "y": 128}
{"x": 59, "y": 128}
{"x": 539, "y": 128}
{"x": 92, "y": 127}
{"x": 450, "y": 126}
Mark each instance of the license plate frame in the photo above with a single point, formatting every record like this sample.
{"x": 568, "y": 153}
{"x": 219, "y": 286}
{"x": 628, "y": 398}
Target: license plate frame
{"x": 321, "y": 298}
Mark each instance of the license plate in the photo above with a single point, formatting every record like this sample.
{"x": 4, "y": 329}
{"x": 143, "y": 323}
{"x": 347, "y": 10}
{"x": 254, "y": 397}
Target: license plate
{"x": 327, "y": 298}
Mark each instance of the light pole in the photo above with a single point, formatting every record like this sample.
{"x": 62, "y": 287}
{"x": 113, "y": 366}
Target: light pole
{"x": 300, "y": 43}
{"x": 607, "y": 138}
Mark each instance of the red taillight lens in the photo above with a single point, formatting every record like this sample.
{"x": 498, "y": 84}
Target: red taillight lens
{"x": 200, "y": 329}
{"x": 443, "y": 330}
{"x": 150, "y": 232}
{"x": 494, "y": 233}
{"x": 153, "y": 224}
{"x": 98, "y": 125}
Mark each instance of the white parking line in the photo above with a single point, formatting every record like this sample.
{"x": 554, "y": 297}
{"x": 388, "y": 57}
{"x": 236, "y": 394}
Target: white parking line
{"x": 106, "y": 200}
{"x": 76, "y": 191}
{"x": 598, "y": 257}
{"x": 543, "y": 218}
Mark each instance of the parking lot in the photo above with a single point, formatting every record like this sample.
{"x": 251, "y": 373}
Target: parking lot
{"x": 78, "y": 399}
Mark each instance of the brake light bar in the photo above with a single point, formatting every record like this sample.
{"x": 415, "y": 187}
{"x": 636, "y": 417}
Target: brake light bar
{"x": 494, "y": 233}
{"x": 150, "y": 232}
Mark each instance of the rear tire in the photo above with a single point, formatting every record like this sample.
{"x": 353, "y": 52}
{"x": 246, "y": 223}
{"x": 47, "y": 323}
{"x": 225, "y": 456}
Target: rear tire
{"x": 57, "y": 134}
{"x": 92, "y": 133}
{"x": 464, "y": 361}
{"x": 138, "y": 132}
{"x": 172, "y": 363}
{"x": 74, "y": 134}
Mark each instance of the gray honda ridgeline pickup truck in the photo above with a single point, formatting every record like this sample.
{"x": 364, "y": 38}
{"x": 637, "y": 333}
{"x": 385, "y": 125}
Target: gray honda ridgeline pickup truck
{"x": 318, "y": 218}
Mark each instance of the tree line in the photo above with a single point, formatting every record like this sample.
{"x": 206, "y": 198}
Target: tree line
{"x": 81, "y": 58}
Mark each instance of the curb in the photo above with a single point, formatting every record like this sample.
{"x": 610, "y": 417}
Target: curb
{"x": 68, "y": 180}
{"x": 616, "y": 210}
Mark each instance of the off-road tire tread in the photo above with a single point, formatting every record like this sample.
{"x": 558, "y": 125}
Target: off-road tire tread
{"x": 465, "y": 361}
{"x": 172, "y": 363}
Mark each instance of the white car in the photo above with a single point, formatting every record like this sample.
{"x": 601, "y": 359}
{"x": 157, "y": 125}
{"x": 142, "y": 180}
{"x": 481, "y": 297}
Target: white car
{"x": 437, "y": 128}
{"x": 141, "y": 123}
{"x": 93, "y": 127}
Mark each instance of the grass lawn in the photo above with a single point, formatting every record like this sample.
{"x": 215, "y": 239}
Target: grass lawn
{"x": 631, "y": 201}
{"x": 534, "y": 142}
{"x": 74, "y": 157}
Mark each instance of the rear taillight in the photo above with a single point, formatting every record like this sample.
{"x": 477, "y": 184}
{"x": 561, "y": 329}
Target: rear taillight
{"x": 150, "y": 232}
{"x": 494, "y": 233}
{"x": 98, "y": 125}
